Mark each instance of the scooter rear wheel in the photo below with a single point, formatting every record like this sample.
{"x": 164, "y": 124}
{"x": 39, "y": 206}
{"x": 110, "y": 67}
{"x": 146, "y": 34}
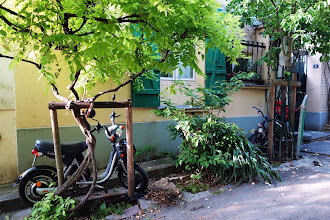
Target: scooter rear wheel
{"x": 28, "y": 185}
{"x": 141, "y": 178}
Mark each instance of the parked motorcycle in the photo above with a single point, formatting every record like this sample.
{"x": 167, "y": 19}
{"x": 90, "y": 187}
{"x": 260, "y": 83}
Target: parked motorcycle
{"x": 35, "y": 182}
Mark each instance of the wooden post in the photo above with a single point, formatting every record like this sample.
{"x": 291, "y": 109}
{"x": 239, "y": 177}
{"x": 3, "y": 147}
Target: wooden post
{"x": 293, "y": 101}
{"x": 57, "y": 146}
{"x": 129, "y": 148}
{"x": 293, "y": 84}
{"x": 293, "y": 113}
{"x": 271, "y": 123}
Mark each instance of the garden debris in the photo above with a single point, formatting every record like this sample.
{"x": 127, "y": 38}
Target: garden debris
{"x": 163, "y": 192}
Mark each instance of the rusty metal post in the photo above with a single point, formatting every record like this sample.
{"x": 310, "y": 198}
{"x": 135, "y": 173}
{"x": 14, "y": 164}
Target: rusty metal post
{"x": 57, "y": 146}
{"x": 129, "y": 147}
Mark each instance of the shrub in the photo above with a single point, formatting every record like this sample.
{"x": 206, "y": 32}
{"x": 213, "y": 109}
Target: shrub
{"x": 217, "y": 151}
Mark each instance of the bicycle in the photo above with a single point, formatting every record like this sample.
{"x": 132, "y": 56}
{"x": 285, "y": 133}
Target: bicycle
{"x": 260, "y": 135}
{"x": 280, "y": 135}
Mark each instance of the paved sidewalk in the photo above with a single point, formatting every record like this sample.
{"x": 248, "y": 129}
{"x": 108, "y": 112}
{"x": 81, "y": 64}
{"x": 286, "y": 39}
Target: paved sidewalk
{"x": 303, "y": 194}
{"x": 10, "y": 201}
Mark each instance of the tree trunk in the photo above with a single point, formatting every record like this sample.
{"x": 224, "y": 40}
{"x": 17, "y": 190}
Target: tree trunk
{"x": 90, "y": 157}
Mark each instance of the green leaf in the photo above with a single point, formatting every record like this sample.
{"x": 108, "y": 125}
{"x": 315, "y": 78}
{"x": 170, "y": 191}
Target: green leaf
{"x": 3, "y": 33}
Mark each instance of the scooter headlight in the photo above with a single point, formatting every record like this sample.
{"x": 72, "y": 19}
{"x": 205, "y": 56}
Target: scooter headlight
{"x": 119, "y": 132}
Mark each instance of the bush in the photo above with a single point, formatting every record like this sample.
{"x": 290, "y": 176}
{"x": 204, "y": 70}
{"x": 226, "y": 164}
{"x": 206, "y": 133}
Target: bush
{"x": 217, "y": 151}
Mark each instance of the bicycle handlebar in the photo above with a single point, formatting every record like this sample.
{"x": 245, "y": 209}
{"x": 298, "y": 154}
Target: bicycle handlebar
{"x": 259, "y": 111}
{"x": 268, "y": 120}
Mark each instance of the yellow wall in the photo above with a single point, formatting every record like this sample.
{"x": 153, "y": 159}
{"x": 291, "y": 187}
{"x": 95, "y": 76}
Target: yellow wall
{"x": 244, "y": 100}
{"x": 32, "y": 101}
{"x": 8, "y": 146}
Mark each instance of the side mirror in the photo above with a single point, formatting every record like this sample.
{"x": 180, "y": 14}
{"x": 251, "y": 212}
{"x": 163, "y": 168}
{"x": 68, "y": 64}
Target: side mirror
{"x": 91, "y": 114}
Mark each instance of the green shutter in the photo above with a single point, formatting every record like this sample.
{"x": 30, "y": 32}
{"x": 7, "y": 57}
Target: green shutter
{"x": 215, "y": 67}
{"x": 149, "y": 97}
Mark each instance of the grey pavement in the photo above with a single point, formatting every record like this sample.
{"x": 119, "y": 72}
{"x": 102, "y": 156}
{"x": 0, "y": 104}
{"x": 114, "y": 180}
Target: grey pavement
{"x": 10, "y": 204}
{"x": 318, "y": 134}
{"x": 320, "y": 147}
{"x": 304, "y": 193}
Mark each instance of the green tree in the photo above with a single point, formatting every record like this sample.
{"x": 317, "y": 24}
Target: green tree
{"x": 119, "y": 41}
{"x": 290, "y": 24}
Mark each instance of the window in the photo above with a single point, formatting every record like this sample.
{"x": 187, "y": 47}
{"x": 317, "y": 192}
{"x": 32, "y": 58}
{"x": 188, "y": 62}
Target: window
{"x": 254, "y": 52}
{"x": 188, "y": 73}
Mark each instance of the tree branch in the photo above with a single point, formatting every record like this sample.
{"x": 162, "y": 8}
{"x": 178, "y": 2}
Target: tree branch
{"x": 59, "y": 4}
{"x": 119, "y": 86}
{"x": 27, "y": 61}
{"x": 11, "y": 12}
{"x": 81, "y": 26}
{"x": 87, "y": 33}
{"x": 128, "y": 81}
{"x": 72, "y": 85}
{"x": 8, "y": 22}
{"x": 54, "y": 88}
{"x": 165, "y": 56}
{"x": 56, "y": 93}
{"x": 279, "y": 25}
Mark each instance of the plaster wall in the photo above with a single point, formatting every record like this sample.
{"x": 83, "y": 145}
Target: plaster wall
{"x": 8, "y": 149}
{"x": 244, "y": 100}
{"x": 32, "y": 100}
{"x": 317, "y": 91}
{"x": 314, "y": 85}
{"x": 33, "y": 118}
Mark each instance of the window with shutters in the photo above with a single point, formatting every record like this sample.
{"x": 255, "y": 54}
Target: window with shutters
{"x": 181, "y": 73}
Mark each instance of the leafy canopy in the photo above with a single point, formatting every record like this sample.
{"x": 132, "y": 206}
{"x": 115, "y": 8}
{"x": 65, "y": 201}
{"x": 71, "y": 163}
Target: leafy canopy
{"x": 306, "y": 22}
{"x": 118, "y": 40}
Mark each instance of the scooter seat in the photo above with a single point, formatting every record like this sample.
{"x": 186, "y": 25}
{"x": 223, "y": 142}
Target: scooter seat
{"x": 66, "y": 148}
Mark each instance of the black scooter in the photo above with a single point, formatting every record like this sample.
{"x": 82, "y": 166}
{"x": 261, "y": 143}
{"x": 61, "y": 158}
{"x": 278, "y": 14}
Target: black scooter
{"x": 35, "y": 182}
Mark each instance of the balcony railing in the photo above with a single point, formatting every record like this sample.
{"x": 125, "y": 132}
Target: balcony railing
{"x": 253, "y": 52}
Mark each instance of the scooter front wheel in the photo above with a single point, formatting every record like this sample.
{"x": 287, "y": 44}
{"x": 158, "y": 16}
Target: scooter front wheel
{"x": 141, "y": 178}
{"x": 36, "y": 179}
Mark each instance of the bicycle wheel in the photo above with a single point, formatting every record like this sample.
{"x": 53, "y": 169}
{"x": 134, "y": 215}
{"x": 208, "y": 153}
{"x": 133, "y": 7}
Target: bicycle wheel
{"x": 259, "y": 139}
